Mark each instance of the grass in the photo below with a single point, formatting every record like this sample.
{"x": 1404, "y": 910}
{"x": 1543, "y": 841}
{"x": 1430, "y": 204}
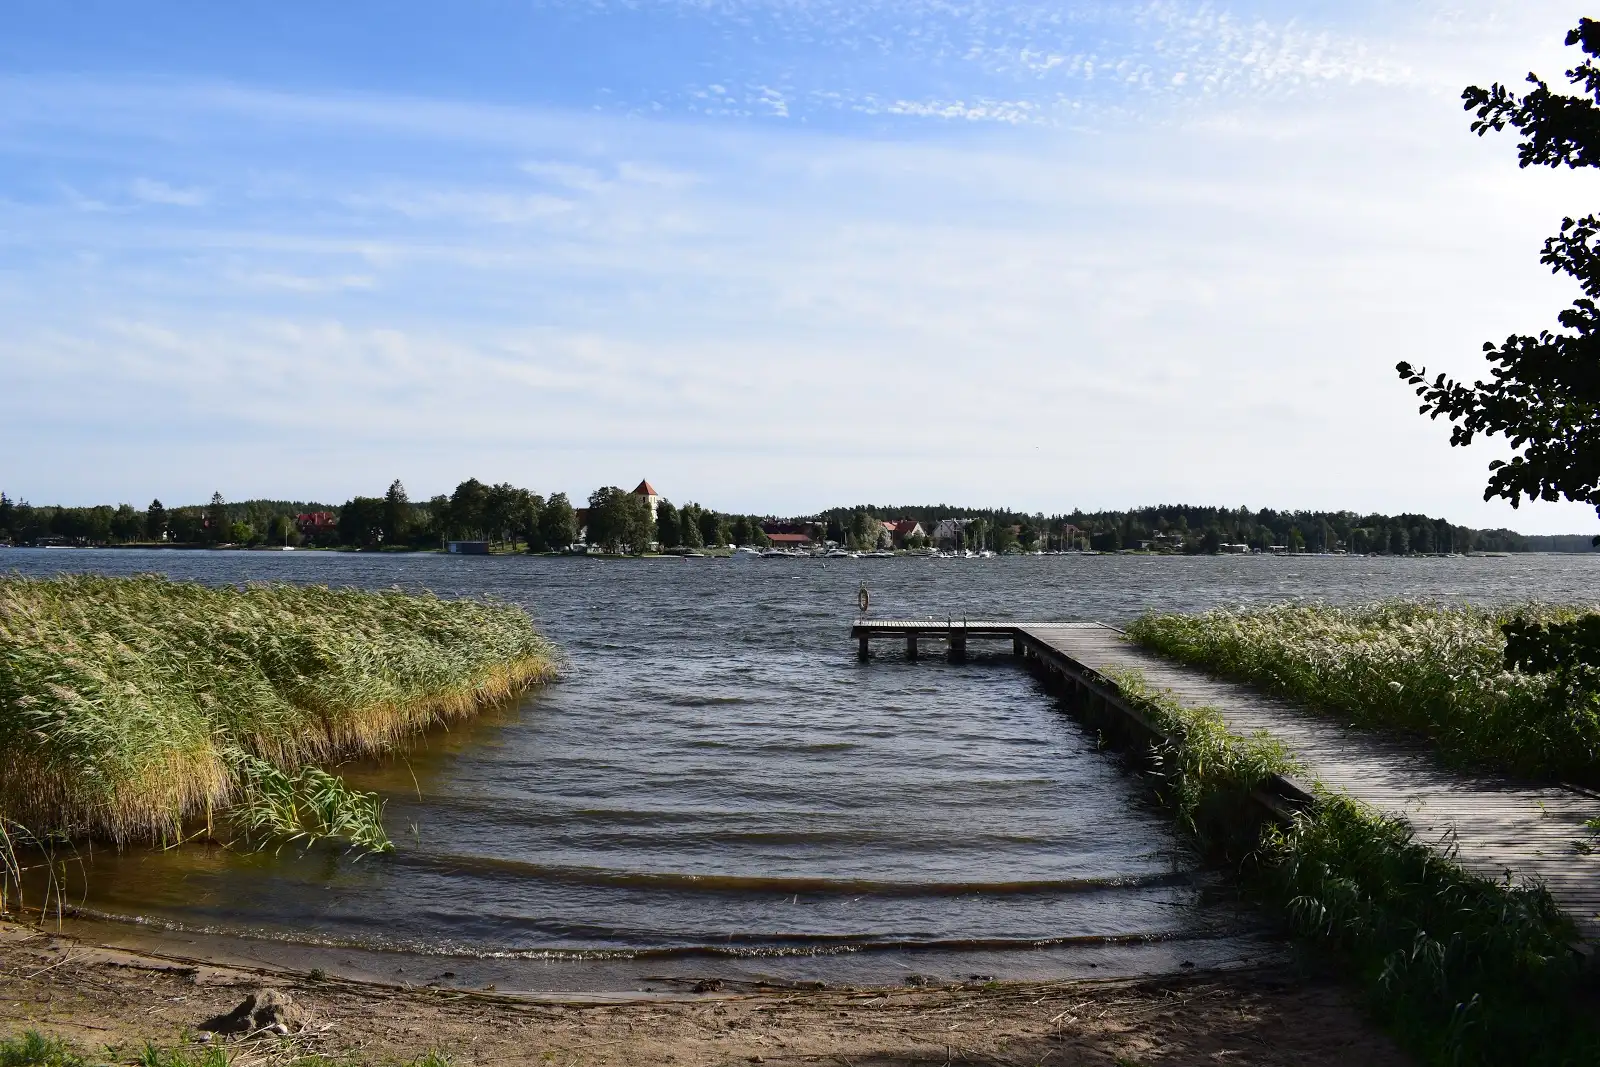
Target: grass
{"x": 1206, "y": 773}
{"x": 1465, "y": 971}
{"x": 33, "y": 1049}
{"x": 132, "y": 707}
{"x": 1437, "y": 671}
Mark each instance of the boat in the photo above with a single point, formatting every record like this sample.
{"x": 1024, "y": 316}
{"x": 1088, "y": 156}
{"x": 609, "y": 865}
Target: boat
{"x": 744, "y": 552}
{"x": 839, "y": 553}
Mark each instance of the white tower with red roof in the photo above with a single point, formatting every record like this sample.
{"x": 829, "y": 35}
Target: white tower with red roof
{"x": 651, "y": 497}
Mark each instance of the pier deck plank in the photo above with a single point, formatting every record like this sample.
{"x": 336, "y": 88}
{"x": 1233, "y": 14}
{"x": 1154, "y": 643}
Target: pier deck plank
{"x": 1499, "y": 826}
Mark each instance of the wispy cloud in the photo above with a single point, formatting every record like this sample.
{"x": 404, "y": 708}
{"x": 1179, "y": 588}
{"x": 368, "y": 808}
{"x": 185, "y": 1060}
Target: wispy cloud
{"x": 154, "y": 192}
{"x": 301, "y": 283}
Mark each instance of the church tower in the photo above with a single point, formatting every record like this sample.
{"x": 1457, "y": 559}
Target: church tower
{"x": 650, "y": 495}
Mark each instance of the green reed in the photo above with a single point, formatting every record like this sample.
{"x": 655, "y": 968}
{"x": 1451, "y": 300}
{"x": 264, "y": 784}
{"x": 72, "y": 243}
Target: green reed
{"x": 1465, "y": 971}
{"x": 1438, "y": 671}
{"x": 132, "y": 706}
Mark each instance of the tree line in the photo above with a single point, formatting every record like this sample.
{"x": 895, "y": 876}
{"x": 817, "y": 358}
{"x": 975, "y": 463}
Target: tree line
{"x": 1195, "y": 529}
{"x": 502, "y": 514}
{"x": 620, "y": 522}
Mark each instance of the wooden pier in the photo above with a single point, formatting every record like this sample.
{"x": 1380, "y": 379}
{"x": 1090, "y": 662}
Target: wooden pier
{"x": 1498, "y": 827}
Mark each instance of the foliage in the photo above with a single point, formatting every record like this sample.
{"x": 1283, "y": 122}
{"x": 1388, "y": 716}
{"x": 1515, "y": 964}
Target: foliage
{"x": 1544, "y": 395}
{"x": 211, "y": 1056}
{"x": 312, "y": 804}
{"x": 33, "y": 1049}
{"x": 1435, "y": 670}
{"x": 507, "y": 513}
{"x": 558, "y": 524}
{"x": 689, "y": 527}
{"x": 1465, "y": 970}
{"x": 361, "y": 521}
{"x": 620, "y": 521}
{"x": 124, "y": 700}
{"x": 1206, "y": 771}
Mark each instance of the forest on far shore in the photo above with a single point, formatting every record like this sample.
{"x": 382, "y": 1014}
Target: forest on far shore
{"x": 506, "y": 513}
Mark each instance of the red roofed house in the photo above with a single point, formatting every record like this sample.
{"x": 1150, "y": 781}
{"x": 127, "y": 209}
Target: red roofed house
{"x": 900, "y": 529}
{"x": 788, "y": 540}
{"x": 314, "y": 522}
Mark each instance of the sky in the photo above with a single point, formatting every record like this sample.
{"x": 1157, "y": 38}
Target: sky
{"x": 774, "y": 255}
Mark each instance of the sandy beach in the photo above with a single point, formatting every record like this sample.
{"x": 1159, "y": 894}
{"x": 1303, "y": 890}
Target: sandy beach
{"x": 102, "y": 999}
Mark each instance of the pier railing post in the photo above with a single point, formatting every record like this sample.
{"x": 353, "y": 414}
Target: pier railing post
{"x": 911, "y": 645}
{"x": 863, "y": 652}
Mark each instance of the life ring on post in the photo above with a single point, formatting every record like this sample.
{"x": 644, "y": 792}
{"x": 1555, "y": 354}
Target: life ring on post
{"x": 863, "y": 598}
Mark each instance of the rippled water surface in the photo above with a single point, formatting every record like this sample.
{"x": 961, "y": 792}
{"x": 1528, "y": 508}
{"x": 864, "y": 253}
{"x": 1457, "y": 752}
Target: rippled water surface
{"x": 717, "y": 776}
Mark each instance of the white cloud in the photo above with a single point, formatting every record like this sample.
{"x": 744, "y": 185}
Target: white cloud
{"x": 300, "y": 283}
{"x": 154, "y": 192}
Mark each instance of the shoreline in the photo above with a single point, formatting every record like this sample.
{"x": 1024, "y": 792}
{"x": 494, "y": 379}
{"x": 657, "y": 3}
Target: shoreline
{"x": 622, "y": 973}
{"x": 74, "y": 988}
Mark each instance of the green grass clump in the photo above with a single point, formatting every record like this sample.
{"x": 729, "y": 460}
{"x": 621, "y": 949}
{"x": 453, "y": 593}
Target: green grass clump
{"x": 33, "y": 1049}
{"x": 130, "y": 706}
{"x": 1438, "y": 671}
{"x": 1465, "y": 971}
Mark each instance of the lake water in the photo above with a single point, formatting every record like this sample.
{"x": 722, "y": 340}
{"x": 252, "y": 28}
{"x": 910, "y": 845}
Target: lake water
{"x": 717, "y": 786}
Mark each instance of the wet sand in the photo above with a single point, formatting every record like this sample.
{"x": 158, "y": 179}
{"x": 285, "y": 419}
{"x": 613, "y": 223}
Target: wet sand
{"x": 1268, "y": 1014}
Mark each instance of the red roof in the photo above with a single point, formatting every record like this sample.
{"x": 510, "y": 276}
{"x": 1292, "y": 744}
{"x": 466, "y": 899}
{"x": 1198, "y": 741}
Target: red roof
{"x": 645, "y": 489}
{"x": 788, "y": 539}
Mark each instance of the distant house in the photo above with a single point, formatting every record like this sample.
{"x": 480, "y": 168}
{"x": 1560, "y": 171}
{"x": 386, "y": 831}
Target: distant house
{"x": 948, "y": 533}
{"x": 811, "y": 530}
{"x": 1234, "y": 550}
{"x": 314, "y": 522}
{"x": 901, "y": 529}
{"x": 789, "y": 540}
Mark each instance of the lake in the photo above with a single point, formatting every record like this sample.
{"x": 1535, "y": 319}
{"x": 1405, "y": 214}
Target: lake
{"x": 716, "y": 786}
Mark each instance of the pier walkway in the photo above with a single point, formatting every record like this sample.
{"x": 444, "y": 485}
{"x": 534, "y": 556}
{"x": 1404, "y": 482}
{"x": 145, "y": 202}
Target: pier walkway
{"x": 1499, "y": 826}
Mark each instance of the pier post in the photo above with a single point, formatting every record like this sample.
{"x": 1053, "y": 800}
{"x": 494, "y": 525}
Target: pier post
{"x": 862, "y": 651}
{"x": 1016, "y": 646}
{"x": 911, "y": 645}
{"x": 958, "y": 646}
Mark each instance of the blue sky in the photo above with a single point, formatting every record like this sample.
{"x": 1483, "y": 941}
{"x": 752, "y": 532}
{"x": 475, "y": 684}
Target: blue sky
{"x": 772, "y": 255}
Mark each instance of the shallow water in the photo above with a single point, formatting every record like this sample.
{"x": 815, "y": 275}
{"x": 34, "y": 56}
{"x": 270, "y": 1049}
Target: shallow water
{"x": 718, "y": 778}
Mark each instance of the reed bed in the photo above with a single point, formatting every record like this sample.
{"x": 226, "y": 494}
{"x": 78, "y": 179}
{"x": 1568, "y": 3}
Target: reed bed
{"x": 1462, "y": 969}
{"x": 1439, "y": 671}
{"x": 130, "y": 707}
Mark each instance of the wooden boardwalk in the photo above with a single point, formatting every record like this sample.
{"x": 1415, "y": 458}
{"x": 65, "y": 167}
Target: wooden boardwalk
{"x": 1498, "y": 827}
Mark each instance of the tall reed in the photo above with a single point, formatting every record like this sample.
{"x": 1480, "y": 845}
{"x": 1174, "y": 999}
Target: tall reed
{"x": 129, "y": 706}
{"x": 1464, "y": 970}
{"x": 1436, "y": 670}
